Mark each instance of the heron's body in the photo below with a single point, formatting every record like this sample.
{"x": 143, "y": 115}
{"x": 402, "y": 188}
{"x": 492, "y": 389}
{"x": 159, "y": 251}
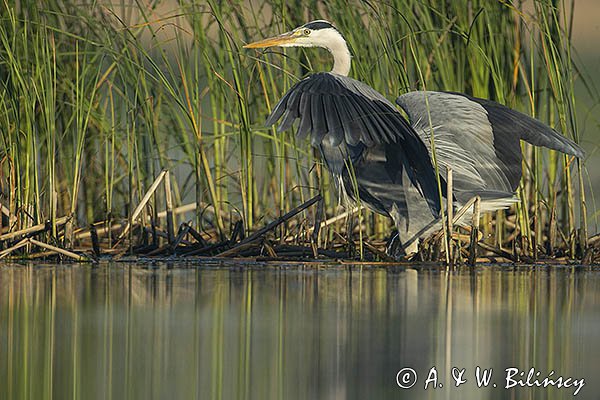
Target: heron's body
{"x": 377, "y": 156}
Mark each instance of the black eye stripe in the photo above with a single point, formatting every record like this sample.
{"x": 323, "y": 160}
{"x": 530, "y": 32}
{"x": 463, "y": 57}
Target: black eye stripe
{"x": 316, "y": 25}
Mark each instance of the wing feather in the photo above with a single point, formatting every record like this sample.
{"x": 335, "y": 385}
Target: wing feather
{"x": 319, "y": 121}
{"x": 305, "y": 120}
{"x": 352, "y": 130}
{"x": 507, "y": 122}
{"x": 334, "y": 126}
{"x": 361, "y": 120}
{"x": 291, "y": 113}
{"x": 365, "y": 116}
{"x": 378, "y": 117}
{"x": 287, "y": 121}
{"x": 280, "y": 107}
{"x": 463, "y": 139}
{"x": 348, "y": 113}
{"x": 479, "y": 139}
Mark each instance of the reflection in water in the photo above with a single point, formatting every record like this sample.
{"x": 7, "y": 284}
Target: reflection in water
{"x": 127, "y": 332}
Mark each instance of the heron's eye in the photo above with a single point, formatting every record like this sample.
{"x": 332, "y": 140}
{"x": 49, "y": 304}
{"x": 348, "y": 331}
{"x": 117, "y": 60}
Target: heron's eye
{"x": 306, "y": 32}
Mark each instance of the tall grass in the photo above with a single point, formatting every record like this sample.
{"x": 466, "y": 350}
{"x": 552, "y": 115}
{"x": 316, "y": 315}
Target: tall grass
{"x": 96, "y": 100}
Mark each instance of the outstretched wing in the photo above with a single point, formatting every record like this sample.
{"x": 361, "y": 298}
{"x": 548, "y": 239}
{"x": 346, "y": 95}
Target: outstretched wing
{"x": 336, "y": 110}
{"x": 479, "y": 139}
{"x": 508, "y": 122}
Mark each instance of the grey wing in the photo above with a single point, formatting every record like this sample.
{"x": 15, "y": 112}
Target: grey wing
{"x": 506, "y": 121}
{"x": 478, "y": 139}
{"x": 338, "y": 110}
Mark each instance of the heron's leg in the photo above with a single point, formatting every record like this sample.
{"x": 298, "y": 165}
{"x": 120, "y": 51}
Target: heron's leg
{"x": 394, "y": 247}
{"x": 320, "y": 205}
{"x": 318, "y": 220}
{"x": 314, "y": 237}
{"x": 397, "y": 246}
{"x": 350, "y": 236}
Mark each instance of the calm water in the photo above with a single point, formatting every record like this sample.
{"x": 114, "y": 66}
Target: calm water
{"x": 129, "y": 331}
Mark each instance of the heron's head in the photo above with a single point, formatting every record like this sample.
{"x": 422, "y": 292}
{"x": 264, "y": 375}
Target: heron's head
{"x": 318, "y": 33}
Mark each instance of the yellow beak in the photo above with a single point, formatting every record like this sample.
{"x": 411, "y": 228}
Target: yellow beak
{"x": 283, "y": 39}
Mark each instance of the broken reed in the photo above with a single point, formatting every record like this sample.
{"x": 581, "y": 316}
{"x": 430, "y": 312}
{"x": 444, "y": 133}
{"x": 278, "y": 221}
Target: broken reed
{"x": 96, "y": 101}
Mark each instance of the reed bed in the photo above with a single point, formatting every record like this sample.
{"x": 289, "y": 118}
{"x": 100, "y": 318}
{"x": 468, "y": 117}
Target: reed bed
{"x": 98, "y": 100}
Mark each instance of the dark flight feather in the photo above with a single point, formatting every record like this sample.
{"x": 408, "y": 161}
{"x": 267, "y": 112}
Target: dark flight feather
{"x": 349, "y": 113}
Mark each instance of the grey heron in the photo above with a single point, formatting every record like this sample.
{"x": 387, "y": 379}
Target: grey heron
{"x": 385, "y": 160}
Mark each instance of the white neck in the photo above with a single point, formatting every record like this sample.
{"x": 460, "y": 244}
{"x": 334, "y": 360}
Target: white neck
{"x": 333, "y": 41}
{"x": 341, "y": 58}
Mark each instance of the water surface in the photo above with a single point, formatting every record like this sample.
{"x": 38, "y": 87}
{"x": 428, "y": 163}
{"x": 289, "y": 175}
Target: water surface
{"x": 193, "y": 331}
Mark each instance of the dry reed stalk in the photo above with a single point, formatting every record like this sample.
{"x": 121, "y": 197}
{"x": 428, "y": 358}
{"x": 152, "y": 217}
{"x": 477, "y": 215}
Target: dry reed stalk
{"x": 143, "y": 203}
{"x": 169, "y": 208}
{"x": 457, "y": 217}
{"x": 58, "y": 250}
{"x": 31, "y": 230}
{"x": 6, "y": 252}
{"x": 449, "y": 214}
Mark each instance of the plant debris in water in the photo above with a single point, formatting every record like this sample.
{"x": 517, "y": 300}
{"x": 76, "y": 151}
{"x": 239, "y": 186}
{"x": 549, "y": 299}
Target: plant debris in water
{"x": 153, "y": 240}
